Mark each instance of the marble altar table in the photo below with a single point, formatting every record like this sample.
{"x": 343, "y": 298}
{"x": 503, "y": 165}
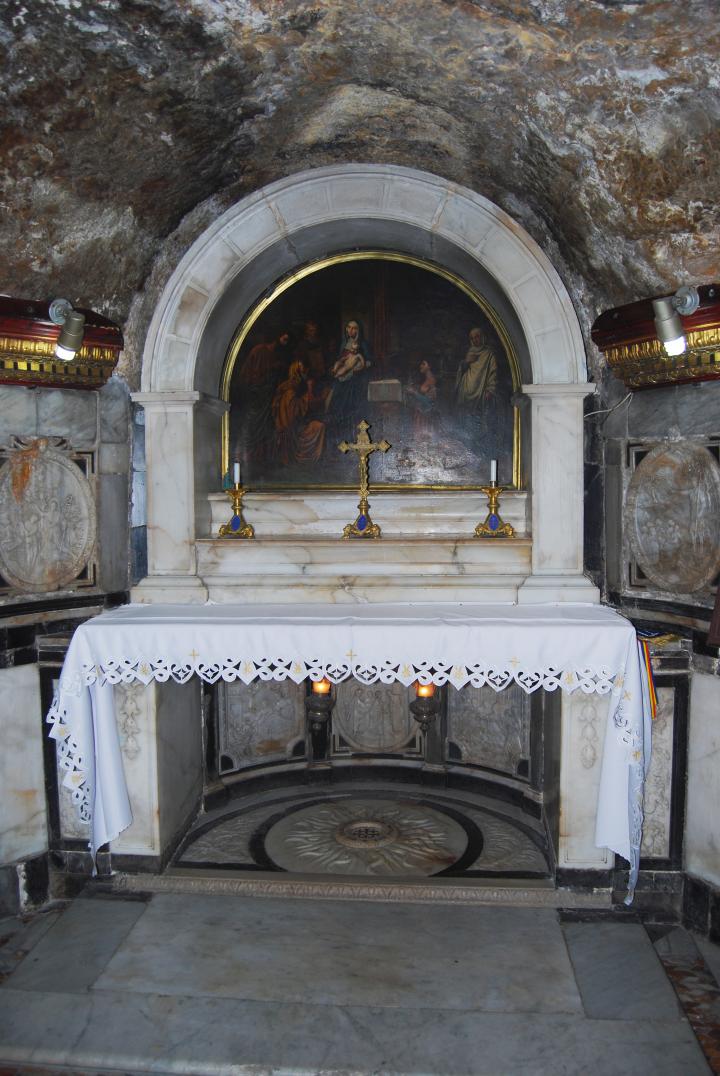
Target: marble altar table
{"x": 566, "y": 647}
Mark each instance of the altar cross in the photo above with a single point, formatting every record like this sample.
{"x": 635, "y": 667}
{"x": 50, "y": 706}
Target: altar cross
{"x": 363, "y": 527}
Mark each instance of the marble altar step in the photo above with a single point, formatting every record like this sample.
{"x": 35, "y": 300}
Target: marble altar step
{"x": 509, "y": 893}
{"x": 402, "y": 568}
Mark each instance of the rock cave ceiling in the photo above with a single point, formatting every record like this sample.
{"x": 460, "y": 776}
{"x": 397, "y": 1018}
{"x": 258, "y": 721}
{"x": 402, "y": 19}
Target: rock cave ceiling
{"x": 129, "y": 125}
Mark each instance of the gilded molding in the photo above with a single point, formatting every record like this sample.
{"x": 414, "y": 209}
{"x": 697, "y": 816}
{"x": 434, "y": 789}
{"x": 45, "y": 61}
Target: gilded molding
{"x": 34, "y": 361}
{"x": 644, "y": 363}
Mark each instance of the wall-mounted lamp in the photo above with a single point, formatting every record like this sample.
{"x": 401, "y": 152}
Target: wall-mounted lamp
{"x": 633, "y": 338}
{"x": 71, "y": 335}
{"x": 667, "y": 312}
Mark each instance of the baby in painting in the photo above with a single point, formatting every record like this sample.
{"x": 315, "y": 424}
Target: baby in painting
{"x": 352, "y": 358}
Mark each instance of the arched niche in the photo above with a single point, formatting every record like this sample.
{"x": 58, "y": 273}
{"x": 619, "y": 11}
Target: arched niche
{"x": 316, "y": 213}
{"x": 311, "y": 215}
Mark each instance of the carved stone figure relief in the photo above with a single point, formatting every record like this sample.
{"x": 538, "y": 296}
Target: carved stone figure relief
{"x": 373, "y": 717}
{"x": 127, "y": 711}
{"x": 47, "y": 516}
{"x": 588, "y": 720}
{"x": 658, "y": 783}
{"x": 490, "y": 728}
{"x": 672, "y": 516}
{"x": 258, "y": 722}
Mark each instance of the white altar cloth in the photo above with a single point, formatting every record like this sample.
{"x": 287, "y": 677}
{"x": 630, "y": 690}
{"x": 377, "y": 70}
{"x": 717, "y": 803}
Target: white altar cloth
{"x": 586, "y": 648}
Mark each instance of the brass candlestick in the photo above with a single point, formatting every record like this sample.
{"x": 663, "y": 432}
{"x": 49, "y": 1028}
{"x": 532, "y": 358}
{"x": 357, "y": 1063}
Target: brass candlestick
{"x": 363, "y": 526}
{"x": 236, "y": 527}
{"x": 493, "y": 525}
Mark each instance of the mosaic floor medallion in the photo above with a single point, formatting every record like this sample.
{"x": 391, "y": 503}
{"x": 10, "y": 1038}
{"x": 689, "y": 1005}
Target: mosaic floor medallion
{"x": 372, "y": 836}
{"x": 386, "y": 832}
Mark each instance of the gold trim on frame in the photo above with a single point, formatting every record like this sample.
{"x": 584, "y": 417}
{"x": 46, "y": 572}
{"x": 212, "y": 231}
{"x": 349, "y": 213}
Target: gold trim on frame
{"x": 369, "y": 255}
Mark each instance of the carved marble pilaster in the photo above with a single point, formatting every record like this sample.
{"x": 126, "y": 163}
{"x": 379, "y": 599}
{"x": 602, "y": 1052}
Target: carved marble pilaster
{"x": 658, "y": 783}
{"x": 583, "y": 718}
{"x": 174, "y": 422}
{"x": 557, "y": 495}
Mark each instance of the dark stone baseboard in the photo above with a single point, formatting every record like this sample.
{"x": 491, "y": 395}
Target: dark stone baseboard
{"x": 701, "y": 907}
{"x": 24, "y": 886}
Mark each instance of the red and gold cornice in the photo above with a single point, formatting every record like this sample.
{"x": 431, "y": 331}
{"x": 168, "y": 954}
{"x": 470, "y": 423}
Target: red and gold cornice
{"x": 627, "y": 337}
{"x": 27, "y": 348}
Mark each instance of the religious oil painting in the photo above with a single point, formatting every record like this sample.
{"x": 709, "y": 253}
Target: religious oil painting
{"x": 379, "y": 337}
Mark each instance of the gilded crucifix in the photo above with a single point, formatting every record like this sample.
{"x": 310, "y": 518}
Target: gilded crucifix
{"x": 363, "y": 527}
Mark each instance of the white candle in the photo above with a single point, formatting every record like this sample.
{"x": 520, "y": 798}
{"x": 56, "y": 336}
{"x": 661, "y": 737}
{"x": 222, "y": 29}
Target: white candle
{"x": 236, "y": 473}
{"x": 493, "y": 470}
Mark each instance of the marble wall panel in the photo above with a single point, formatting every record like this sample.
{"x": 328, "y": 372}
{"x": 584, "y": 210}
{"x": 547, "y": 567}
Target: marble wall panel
{"x": 138, "y": 502}
{"x": 258, "y": 723}
{"x": 490, "y": 728}
{"x": 18, "y": 412}
{"x": 699, "y": 408}
{"x": 114, "y": 412}
{"x": 113, "y": 531}
{"x": 702, "y": 833}
{"x": 658, "y": 784}
{"x": 691, "y": 409}
{"x": 653, "y": 413}
{"x": 23, "y": 820}
{"x": 69, "y": 413}
{"x": 180, "y": 756}
{"x": 114, "y": 459}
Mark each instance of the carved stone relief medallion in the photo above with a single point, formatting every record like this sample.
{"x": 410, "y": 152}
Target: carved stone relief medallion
{"x": 373, "y": 717}
{"x": 47, "y": 517}
{"x": 672, "y": 516}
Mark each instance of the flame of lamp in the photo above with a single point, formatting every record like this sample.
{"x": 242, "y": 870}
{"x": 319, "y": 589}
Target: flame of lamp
{"x": 424, "y": 691}
{"x": 321, "y": 687}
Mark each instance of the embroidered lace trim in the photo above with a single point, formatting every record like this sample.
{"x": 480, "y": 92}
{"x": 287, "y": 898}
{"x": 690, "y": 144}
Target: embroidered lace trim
{"x": 590, "y": 681}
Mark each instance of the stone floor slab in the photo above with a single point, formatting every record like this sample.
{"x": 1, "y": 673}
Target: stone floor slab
{"x": 19, "y": 935}
{"x": 226, "y": 1037}
{"x": 618, "y": 973}
{"x": 76, "y": 948}
{"x": 491, "y": 959}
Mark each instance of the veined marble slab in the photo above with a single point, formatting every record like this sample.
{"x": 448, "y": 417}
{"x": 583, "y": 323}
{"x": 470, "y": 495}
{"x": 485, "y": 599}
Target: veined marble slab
{"x": 415, "y": 513}
{"x": 391, "y": 569}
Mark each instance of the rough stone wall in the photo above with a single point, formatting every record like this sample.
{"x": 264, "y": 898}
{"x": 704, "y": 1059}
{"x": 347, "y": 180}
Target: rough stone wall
{"x": 594, "y": 124}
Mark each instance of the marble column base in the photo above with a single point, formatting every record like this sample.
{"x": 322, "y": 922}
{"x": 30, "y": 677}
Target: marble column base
{"x": 538, "y": 589}
{"x": 167, "y": 589}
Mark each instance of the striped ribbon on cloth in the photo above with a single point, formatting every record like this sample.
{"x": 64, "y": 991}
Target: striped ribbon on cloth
{"x": 645, "y": 652}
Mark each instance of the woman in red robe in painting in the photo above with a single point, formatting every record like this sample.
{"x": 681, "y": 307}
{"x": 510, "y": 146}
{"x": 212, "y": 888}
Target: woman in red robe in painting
{"x": 299, "y": 437}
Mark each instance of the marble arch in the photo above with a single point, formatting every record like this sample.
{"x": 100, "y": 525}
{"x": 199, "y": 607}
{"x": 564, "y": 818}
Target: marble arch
{"x": 316, "y": 213}
{"x": 356, "y": 197}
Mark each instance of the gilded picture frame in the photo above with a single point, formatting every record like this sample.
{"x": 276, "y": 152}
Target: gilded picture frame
{"x": 381, "y": 336}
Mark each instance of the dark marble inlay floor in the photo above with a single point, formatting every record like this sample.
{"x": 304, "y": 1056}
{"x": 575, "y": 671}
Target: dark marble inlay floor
{"x": 386, "y": 831}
